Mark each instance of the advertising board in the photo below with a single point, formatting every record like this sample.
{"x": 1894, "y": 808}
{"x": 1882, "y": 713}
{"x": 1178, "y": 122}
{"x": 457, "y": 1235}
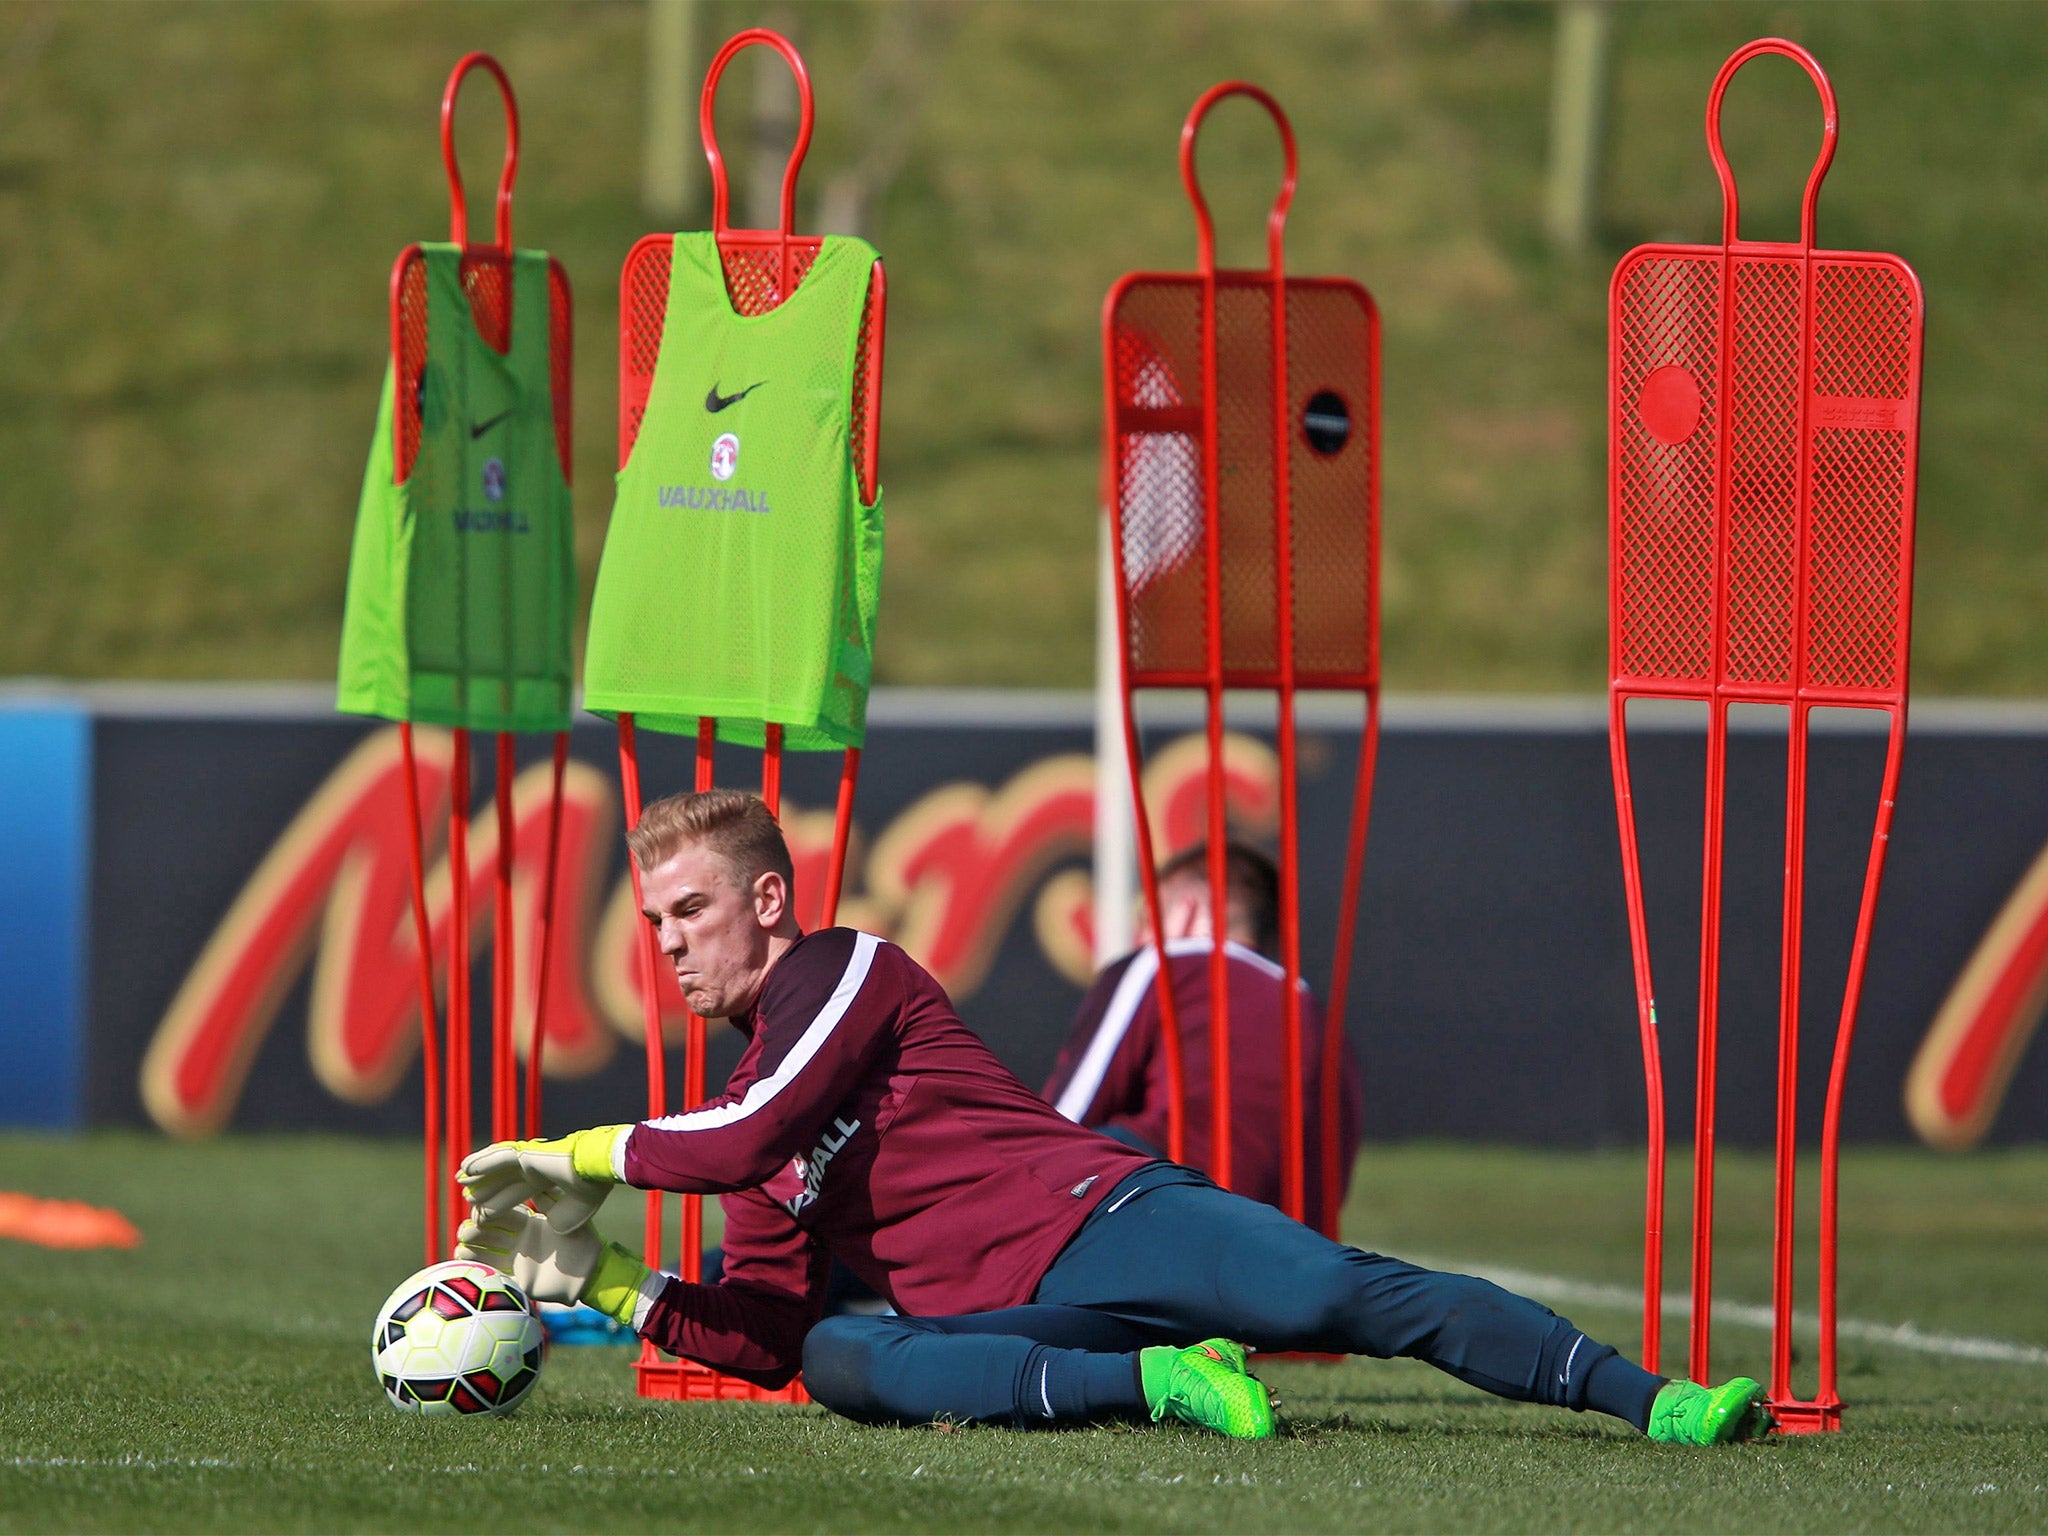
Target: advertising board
{"x": 242, "y": 941}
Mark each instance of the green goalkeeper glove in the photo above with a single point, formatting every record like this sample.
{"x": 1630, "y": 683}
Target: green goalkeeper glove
{"x": 552, "y": 1265}
{"x": 576, "y": 1167}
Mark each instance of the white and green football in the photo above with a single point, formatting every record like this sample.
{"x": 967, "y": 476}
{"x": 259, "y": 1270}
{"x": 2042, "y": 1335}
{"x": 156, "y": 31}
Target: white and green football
{"x": 458, "y": 1338}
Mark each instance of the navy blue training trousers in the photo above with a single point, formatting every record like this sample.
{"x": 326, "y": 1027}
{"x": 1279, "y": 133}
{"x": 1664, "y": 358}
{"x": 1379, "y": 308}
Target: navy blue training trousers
{"x": 1169, "y": 1258}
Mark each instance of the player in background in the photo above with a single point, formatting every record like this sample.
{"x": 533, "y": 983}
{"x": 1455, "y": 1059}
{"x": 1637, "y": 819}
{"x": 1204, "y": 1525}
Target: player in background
{"x": 1111, "y": 1073}
{"x": 1044, "y": 1274}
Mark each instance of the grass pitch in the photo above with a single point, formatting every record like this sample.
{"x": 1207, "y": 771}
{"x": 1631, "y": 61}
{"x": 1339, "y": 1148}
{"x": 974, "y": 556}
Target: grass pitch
{"x": 217, "y": 1378}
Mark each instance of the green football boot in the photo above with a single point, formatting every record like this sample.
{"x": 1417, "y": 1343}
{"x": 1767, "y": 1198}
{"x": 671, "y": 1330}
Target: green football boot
{"x": 1686, "y": 1413}
{"x": 1207, "y": 1384}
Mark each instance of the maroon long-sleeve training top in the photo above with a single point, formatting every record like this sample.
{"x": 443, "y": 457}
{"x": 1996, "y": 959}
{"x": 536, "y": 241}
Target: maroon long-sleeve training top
{"x": 1111, "y": 1072}
{"x": 864, "y": 1121}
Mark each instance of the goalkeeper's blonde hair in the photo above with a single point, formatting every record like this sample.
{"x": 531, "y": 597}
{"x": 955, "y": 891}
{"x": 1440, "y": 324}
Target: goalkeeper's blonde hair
{"x": 733, "y": 824}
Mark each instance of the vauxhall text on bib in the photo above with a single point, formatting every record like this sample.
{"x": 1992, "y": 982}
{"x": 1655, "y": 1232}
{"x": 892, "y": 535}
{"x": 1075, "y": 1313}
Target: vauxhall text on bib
{"x": 462, "y": 577}
{"x": 741, "y": 571}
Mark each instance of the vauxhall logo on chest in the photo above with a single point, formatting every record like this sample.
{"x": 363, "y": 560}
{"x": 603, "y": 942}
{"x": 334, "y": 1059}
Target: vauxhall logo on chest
{"x": 492, "y": 480}
{"x": 812, "y": 1169}
{"x": 496, "y": 517}
{"x": 725, "y": 463}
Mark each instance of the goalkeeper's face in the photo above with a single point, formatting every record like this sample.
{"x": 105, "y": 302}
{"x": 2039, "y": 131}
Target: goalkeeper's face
{"x": 715, "y": 927}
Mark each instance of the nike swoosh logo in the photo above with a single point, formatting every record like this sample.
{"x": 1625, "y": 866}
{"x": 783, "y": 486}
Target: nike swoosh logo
{"x": 715, "y": 402}
{"x": 482, "y": 427}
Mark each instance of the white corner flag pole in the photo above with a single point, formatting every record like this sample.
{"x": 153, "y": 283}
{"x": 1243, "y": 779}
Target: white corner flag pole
{"x": 1116, "y": 861}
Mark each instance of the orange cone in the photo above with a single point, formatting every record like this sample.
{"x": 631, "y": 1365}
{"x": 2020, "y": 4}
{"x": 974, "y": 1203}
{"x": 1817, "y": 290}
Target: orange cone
{"x": 64, "y": 1223}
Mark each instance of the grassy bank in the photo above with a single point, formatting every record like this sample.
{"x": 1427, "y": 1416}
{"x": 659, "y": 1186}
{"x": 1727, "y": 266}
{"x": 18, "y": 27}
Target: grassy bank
{"x": 199, "y": 205}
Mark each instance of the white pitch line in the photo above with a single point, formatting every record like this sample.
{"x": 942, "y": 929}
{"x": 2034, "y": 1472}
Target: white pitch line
{"x": 130, "y": 1461}
{"x": 134, "y": 1462}
{"x": 1561, "y": 1288}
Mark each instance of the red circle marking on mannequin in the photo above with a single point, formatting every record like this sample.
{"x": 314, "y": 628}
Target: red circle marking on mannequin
{"x": 1669, "y": 404}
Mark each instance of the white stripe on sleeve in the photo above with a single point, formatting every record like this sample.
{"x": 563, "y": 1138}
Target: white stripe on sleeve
{"x": 1109, "y": 1034}
{"x": 762, "y": 1091}
{"x": 1123, "y": 1006}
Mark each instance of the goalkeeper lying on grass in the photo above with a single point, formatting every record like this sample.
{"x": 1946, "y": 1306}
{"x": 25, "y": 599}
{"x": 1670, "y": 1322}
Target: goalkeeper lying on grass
{"x": 1043, "y": 1273}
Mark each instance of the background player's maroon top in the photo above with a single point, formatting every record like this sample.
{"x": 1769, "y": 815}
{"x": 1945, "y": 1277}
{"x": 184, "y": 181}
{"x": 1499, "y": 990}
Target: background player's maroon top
{"x": 865, "y": 1122}
{"x": 1111, "y": 1072}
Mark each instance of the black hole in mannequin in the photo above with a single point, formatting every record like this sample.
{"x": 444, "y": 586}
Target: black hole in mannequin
{"x": 1326, "y": 421}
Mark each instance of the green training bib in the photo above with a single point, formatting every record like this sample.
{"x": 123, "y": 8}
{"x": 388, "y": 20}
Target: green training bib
{"x": 462, "y": 579}
{"x": 741, "y": 571}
